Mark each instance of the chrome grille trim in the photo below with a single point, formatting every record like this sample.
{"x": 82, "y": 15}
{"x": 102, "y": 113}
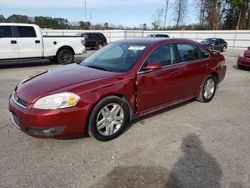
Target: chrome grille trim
{"x": 15, "y": 101}
{"x": 14, "y": 122}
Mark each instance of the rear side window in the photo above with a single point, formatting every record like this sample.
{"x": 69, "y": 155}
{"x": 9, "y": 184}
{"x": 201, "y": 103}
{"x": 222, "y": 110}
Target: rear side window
{"x": 26, "y": 32}
{"x": 5, "y": 32}
{"x": 101, "y": 36}
{"x": 188, "y": 52}
{"x": 92, "y": 36}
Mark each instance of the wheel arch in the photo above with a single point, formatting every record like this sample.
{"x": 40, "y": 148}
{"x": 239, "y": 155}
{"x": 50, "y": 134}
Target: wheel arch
{"x": 215, "y": 74}
{"x": 122, "y": 97}
{"x": 65, "y": 47}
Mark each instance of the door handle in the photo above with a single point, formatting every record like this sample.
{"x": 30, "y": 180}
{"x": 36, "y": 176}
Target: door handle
{"x": 13, "y": 41}
{"x": 37, "y": 41}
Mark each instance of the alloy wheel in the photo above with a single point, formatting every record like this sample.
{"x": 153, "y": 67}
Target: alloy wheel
{"x": 110, "y": 119}
{"x": 209, "y": 89}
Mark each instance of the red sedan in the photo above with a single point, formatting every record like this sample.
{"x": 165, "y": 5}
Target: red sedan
{"x": 122, "y": 81}
{"x": 244, "y": 59}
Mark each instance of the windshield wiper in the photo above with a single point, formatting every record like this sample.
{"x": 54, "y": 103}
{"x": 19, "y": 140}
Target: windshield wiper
{"x": 99, "y": 68}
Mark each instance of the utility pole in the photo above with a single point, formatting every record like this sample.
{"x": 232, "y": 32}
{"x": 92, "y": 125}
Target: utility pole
{"x": 85, "y": 7}
{"x": 90, "y": 20}
{"x": 248, "y": 12}
{"x": 166, "y": 13}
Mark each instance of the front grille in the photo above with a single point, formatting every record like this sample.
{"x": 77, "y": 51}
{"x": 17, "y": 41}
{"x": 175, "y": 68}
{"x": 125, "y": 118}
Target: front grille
{"x": 19, "y": 101}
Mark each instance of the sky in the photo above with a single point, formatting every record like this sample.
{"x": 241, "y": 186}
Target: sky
{"x": 119, "y": 12}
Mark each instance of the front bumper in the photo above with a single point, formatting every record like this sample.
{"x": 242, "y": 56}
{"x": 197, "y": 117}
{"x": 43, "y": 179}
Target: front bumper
{"x": 243, "y": 62}
{"x": 48, "y": 123}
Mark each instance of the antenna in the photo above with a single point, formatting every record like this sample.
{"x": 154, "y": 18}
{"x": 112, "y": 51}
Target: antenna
{"x": 85, "y": 8}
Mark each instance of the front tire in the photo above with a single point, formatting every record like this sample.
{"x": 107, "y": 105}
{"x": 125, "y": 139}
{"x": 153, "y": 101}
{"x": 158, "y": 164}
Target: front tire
{"x": 65, "y": 56}
{"x": 208, "y": 89}
{"x": 108, "y": 118}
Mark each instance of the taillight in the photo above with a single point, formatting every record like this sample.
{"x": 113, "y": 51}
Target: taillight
{"x": 83, "y": 42}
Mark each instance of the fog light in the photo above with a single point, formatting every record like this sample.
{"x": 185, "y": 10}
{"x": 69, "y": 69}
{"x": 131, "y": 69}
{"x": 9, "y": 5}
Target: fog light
{"x": 46, "y": 131}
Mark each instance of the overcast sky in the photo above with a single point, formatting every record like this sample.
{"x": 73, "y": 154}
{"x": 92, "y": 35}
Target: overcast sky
{"x": 119, "y": 12}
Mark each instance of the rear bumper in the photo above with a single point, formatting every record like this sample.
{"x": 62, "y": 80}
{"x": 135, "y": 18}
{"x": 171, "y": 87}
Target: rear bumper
{"x": 48, "y": 123}
{"x": 243, "y": 62}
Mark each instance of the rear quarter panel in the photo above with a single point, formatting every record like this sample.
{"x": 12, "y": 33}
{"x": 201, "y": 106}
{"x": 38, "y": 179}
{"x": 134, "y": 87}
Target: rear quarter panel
{"x": 217, "y": 65}
{"x": 53, "y": 44}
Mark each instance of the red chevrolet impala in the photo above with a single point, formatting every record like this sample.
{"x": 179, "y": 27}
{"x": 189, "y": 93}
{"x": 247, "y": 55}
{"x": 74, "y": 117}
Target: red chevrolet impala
{"x": 244, "y": 59}
{"x": 121, "y": 82}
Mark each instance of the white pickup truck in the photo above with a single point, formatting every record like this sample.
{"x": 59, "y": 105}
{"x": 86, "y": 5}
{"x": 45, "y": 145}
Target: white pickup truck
{"x": 25, "y": 41}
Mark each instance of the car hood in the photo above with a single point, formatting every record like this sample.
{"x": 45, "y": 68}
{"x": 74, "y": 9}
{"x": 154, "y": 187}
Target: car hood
{"x": 58, "y": 80}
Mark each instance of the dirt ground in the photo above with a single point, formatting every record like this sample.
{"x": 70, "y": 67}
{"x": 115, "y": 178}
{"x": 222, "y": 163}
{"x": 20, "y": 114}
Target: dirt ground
{"x": 192, "y": 145}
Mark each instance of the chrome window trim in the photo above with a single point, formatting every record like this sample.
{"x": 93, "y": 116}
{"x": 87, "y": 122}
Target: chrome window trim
{"x": 140, "y": 71}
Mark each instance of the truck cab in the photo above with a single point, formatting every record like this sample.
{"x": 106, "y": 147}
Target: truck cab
{"x": 25, "y": 41}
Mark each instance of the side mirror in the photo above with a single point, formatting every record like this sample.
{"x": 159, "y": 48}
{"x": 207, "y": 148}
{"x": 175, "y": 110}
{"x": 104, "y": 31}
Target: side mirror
{"x": 153, "y": 66}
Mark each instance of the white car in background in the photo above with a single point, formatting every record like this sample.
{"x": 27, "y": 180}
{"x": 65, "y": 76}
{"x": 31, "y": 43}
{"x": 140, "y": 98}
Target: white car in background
{"x": 25, "y": 41}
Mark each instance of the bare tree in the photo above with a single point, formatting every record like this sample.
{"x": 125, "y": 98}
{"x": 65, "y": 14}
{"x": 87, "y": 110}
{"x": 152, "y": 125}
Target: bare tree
{"x": 157, "y": 19}
{"x": 181, "y": 10}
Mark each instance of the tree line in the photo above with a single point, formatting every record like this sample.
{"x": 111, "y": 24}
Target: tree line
{"x": 213, "y": 15}
{"x": 54, "y": 23}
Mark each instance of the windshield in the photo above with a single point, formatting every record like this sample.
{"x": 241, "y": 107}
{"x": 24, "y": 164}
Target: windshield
{"x": 116, "y": 57}
{"x": 209, "y": 41}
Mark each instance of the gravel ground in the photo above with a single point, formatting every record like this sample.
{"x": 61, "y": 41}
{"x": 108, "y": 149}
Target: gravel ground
{"x": 192, "y": 145}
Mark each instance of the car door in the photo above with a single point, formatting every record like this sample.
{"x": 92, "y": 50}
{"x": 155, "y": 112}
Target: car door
{"x": 159, "y": 86}
{"x": 30, "y": 45}
{"x": 217, "y": 45}
{"x": 92, "y": 40}
{"x": 8, "y": 43}
{"x": 193, "y": 68}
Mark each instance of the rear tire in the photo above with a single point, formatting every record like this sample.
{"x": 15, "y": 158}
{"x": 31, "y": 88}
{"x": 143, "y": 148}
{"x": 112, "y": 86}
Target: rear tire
{"x": 65, "y": 56}
{"x": 108, "y": 118}
{"x": 208, "y": 89}
{"x": 224, "y": 49}
{"x": 99, "y": 46}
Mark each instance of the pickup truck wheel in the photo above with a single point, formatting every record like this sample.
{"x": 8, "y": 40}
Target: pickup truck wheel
{"x": 208, "y": 89}
{"x": 65, "y": 56}
{"x": 108, "y": 118}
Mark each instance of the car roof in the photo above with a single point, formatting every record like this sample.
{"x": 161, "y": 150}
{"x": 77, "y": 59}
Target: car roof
{"x": 17, "y": 24}
{"x": 152, "y": 41}
{"x": 214, "y": 38}
{"x": 91, "y": 33}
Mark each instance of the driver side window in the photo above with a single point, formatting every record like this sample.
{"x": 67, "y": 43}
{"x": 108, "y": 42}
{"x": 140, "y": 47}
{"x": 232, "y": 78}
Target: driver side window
{"x": 164, "y": 54}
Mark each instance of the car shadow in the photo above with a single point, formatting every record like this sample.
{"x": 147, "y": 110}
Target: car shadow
{"x": 28, "y": 63}
{"x": 32, "y": 63}
{"x": 242, "y": 69}
{"x": 196, "y": 168}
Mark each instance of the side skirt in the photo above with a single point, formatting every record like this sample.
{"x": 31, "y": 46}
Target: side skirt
{"x": 163, "y": 106}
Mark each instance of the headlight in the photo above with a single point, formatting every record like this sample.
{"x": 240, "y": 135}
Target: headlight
{"x": 57, "y": 101}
